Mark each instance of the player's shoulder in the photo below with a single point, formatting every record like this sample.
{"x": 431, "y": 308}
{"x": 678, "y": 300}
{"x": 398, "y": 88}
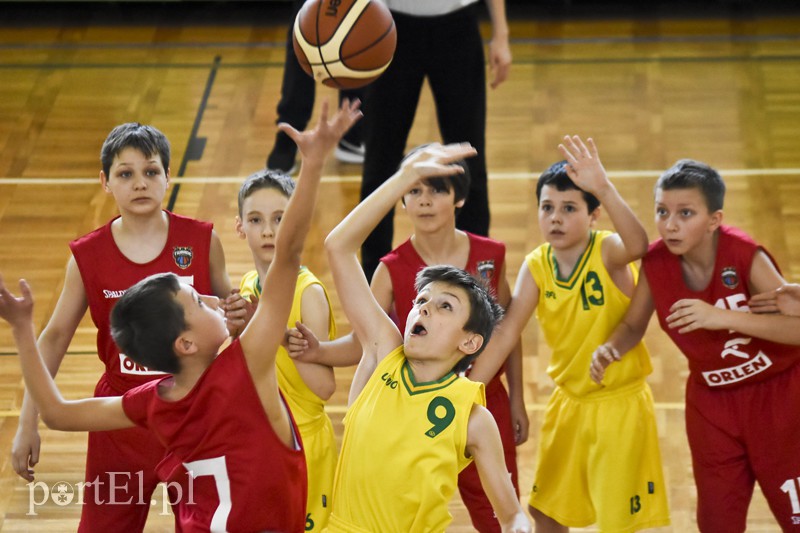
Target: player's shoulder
{"x": 400, "y": 254}
{"x": 486, "y": 243}
{"x": 183, "y": 221}
{"x": 733, "y": 236}
{"x": 655, "y": 249}
{"x": 97, "y": 234}
{"x": 538, "y": 253}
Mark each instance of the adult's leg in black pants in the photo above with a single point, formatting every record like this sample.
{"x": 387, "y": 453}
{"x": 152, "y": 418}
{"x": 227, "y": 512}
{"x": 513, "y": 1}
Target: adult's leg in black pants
{"x": 391, "y": 103}
{"x": 297, "y": 103}
{"x": 459, "y": 91}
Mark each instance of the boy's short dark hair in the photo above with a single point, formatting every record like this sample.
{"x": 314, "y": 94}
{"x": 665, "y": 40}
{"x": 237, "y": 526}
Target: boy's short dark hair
{"x": 691, "y": 174}
{"x": 484, "y": 312}
{"x": 146, "y": 321}
{"x": 458, "y": 183}
{"x": 556, "y": 176}
{"x": 146, "y": 139}
{"x": 265, "y": 179}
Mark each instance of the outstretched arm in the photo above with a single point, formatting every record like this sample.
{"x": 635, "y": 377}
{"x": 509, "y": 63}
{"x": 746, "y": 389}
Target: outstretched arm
{"x": 264, "y": 333}
{"x": 486, "y": 448}
{"x": 374, "y": 328}
{"x": 585, "y": 169}
{"x": 303, "y": 345}
{"x": 785, "y": 300}
{"x": 91, "y": 414}
{"x": 690, "y": 314}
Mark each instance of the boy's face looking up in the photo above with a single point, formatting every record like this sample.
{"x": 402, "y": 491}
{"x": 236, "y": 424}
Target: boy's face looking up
{"x": 205, "y": 320}
{"x": 430, "y": 205}
{"x": 564, "y": 217}
{"x": 262, "y": 212}
{"x": 683, "y": 219}
{"x": 435, "y": 325}
{"x": 138, "y": 183}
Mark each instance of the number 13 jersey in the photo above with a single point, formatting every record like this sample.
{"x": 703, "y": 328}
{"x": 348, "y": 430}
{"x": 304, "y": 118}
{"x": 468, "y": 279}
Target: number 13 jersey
{"x": 577, "y": 313}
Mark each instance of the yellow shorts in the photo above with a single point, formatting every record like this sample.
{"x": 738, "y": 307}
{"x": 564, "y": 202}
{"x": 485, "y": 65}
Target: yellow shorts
{"x": 320, "y": 451}
{"x": 599, "y": 461}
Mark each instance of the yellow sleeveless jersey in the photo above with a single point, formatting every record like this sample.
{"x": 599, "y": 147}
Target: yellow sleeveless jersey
{"x": 404, "y": 444}
{"x": 578, "y": 314}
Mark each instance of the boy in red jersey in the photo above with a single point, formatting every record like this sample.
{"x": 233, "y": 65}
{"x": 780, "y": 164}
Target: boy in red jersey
{"x": 306, "y": 386}
{"x": 743, "y": 391}
{"x": 225, "y": 483}
{"x": 143, "y": 240}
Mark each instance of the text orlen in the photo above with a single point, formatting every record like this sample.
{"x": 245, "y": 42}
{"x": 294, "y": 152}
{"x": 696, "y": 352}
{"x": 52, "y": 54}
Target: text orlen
{"x": 129, "y": 366}
{"x": 733, "y": 374}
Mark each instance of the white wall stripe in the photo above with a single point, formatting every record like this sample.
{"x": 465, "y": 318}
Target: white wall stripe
{"x": 494, "y": 176}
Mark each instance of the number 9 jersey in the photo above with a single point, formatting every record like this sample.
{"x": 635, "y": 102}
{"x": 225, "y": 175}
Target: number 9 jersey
{"x": 422, "y": 427}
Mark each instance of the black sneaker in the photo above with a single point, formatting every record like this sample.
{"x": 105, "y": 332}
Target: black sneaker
{"x": 347, "y": 152}
{"x": 283, "y": 155}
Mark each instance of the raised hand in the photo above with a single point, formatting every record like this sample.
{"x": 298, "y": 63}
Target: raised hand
{"x": 583, "y": 164}
{"x": 435, "y": 160}
{"x": 315, "y": 144}
{"x": 16, "y": 311}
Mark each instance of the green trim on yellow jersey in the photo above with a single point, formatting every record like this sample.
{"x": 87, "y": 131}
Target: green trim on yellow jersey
{"x": 579, "y": 265}
{"x": 418, "y": 388}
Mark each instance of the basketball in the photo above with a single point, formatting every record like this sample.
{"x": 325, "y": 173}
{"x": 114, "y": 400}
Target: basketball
{"x": 344, "y": 44}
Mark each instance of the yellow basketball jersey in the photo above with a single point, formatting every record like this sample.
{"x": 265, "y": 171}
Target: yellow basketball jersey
{"x": 578, "y": 314}
{"x": 404, "y": 444}
{"x": 308, "y": 409}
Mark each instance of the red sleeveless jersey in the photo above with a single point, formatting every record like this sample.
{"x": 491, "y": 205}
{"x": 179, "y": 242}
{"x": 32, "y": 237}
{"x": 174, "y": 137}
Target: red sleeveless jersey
{"x": 717, "y": 358}
{"x": 107, "y": 274}
{"x": 243, "y": 477}
{"x": 485, "y": 261}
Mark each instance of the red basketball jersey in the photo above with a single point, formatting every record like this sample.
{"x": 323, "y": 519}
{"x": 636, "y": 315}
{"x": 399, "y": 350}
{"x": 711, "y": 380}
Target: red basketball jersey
{"x": 107, "y": 274}
{"x": 243, "y": 477}
{"x": 485, "y": 261}
{"x": 717, "y": 358}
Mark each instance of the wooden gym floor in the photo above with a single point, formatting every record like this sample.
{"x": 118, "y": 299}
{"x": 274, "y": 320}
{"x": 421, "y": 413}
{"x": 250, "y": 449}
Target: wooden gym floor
{"x": 652, "y": 87}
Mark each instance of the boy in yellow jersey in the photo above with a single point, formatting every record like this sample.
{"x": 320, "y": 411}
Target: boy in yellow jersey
{"x": 263, "y": 198}
{"x": 598, "y": 456}
{"x": 432, "y": 206}
{"x": 412, "y": 423}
